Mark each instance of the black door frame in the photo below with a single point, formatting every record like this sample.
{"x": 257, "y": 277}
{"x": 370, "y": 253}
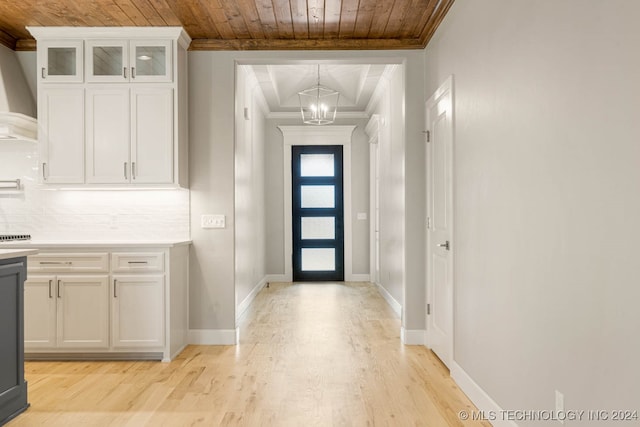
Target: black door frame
{"x": 298, "y": 212}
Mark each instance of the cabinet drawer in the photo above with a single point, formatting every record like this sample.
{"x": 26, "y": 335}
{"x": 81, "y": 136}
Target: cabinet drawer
{"x": 69, "y": 263}
{"x": 127, "y": 262}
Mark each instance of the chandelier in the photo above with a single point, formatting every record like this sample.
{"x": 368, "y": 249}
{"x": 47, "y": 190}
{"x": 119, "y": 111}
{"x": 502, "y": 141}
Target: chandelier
{"x": 318, "y": 104}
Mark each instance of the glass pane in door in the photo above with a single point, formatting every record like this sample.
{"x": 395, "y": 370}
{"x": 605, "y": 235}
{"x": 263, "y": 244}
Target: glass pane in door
{"x": 318, "y": 259}
{"x": 107, "y": 60}
{"x": 317, "y": 165}
{"x": 318, "y": 227}
{"x": 61, "y": 61}
{"x": 151, "y": 60}
{"x": 317, "y": 196}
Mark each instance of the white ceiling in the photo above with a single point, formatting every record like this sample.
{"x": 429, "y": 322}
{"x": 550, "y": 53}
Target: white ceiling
{"x": 281, "y": 83}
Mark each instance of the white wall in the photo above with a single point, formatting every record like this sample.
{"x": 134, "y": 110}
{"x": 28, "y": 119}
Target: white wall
{"x": 388, "y": 104}
{"x": 249, "y": 187}
{"x": 547, "y": 158}
{"x": 211, "y": 175}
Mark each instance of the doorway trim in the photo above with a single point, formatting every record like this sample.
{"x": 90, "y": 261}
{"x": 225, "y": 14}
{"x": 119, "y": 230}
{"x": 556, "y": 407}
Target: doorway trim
{"x": 317, "y": 135}
{"x": 373, "y": 132}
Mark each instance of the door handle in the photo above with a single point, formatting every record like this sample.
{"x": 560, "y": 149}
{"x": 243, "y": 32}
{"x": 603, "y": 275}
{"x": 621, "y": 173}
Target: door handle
{"x": 50, "y": 283}
{"x": 445, "y": 245}
{"x": 58, "y": 288}
{"x": 115, "y": 292}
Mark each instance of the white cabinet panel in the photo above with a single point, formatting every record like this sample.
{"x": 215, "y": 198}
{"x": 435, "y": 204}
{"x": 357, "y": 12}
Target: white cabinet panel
{"x": 108, "y": 124}
{"x": 61, "y": 134}
{"x": 83, "y": 311}
{"x": 40, "y": 312}
{"x": 137, "y": 311}
{"x": 152, "y": 135}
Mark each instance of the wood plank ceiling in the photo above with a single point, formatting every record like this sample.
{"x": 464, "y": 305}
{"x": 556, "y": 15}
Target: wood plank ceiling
{"x": 242, "y": 24}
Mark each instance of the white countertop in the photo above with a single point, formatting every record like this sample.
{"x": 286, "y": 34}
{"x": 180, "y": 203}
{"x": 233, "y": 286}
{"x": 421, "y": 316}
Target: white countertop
{"x": 16, "y": 253}
{"x": 50, "y": 244}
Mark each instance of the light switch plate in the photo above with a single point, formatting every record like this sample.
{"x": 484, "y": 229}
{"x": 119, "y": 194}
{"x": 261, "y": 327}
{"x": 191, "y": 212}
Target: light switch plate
{"x": 212, "y": 221}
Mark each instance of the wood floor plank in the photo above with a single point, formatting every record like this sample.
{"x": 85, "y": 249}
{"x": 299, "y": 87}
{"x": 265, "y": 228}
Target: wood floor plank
{"x": 309, "y": 355}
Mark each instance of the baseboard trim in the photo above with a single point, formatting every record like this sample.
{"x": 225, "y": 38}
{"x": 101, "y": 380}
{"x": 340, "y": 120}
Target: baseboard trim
{"x": 395, "y": 305}
{"x": 479, "y": 397}
{"x": 213, "y": 336}
{"x": 412, "y": 336}
{"x": 358, "y": 278}
{"x": 242, "y": 307}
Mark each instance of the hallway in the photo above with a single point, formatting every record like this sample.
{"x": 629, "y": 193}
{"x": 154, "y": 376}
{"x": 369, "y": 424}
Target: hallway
{"x": 309, "y": 354}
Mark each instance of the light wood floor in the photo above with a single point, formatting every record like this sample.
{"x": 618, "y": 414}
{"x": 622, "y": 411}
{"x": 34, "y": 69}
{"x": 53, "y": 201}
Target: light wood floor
{"x": 309, "y": 355}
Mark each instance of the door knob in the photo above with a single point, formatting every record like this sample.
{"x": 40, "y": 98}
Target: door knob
{"x": 444, "y": 245}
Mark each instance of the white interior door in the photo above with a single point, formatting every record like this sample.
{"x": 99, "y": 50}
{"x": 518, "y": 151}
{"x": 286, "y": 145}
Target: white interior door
{"x": 439, "y": 122}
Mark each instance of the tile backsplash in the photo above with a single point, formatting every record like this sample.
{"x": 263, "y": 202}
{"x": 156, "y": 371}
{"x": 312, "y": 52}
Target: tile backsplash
{"x": 84, "y": 215}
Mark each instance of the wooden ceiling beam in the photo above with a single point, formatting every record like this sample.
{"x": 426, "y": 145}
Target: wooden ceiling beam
{"x": 7, "y": 40}
{"x": 308, "y": 44}
{"x": 434, "y": 22}
{"x": 25, "y": 44}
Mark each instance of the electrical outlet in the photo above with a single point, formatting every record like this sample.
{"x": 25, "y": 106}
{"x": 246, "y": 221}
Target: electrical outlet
{"x": 559, "y": 405}
{"x": 212, "y": 221}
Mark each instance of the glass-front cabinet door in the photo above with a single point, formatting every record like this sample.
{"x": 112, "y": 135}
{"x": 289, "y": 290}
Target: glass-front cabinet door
{"x": 129, "y": 61}
{"x": 107, "y": 61}
{"x": 150, "y": 61}
{"x": 60, "y": 61}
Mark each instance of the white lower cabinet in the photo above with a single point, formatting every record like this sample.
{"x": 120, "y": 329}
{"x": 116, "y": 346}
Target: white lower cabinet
{"x": 137, "y": 311}
{"x": 40, "y": 312}
{"x": 83, "y": 312}
{"x": 67, "y": 312}
{"x": 116, "y": 304}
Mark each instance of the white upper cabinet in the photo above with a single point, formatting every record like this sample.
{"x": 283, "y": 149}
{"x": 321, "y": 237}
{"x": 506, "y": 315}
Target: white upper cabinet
{"x": 135, "y": 61}
{"x": 150, "y": 61}
{"x": 108, "y": 124}
{"x": 61, "y": 134}
{"x": 60, "y": 61}
{"x": 151, "y": 135}
{"x": 117, "y": 113}
{"x": 107, "y": 61}
{"x": 130, "y": 135}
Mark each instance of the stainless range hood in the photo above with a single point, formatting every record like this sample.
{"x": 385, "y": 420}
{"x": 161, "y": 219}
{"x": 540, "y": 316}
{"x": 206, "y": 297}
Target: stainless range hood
{"x": 17, "y": 106}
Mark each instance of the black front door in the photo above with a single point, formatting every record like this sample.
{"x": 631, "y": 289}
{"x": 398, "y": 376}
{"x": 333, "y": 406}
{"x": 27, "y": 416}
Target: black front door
{"x": 318, "y": 213}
